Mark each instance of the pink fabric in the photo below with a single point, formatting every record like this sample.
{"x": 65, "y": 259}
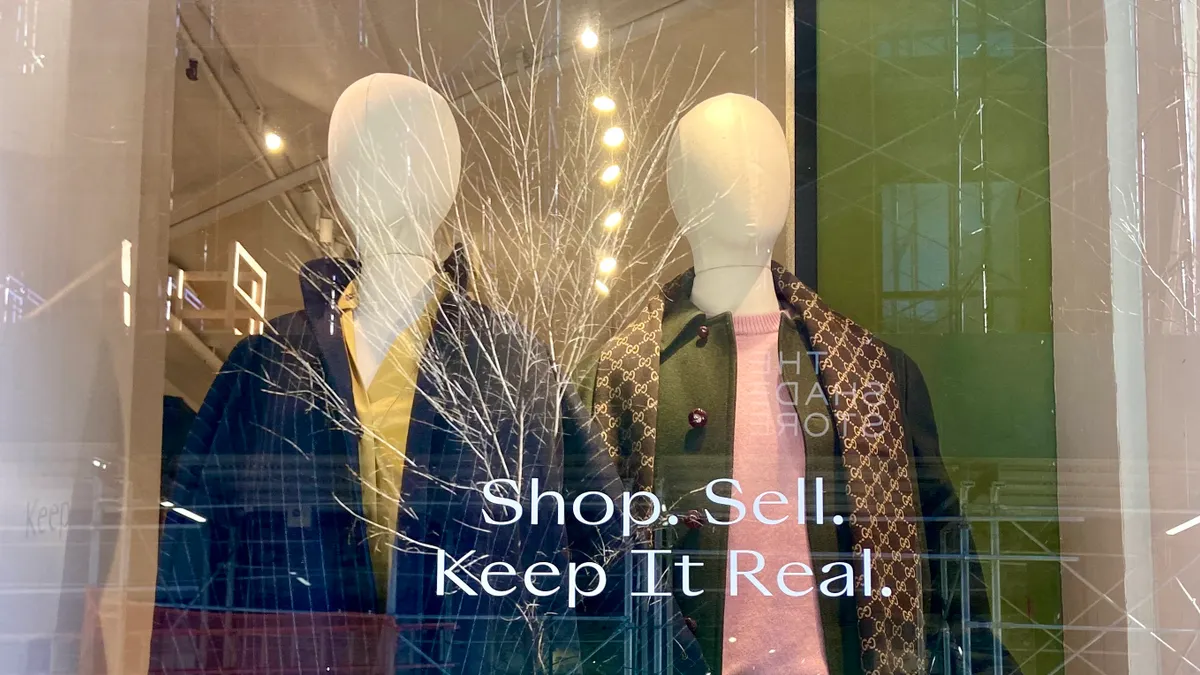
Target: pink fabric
{"x": 777, "y": 634}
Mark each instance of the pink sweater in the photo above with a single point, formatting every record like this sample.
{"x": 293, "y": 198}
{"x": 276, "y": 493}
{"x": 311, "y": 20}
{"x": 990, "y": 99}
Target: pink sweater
{"x": 779, "y": 634}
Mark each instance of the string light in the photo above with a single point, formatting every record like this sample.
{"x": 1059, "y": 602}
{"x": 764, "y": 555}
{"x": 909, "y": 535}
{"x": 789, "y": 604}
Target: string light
{"x": 612, "y": 220}
{"x": 588, "y": 38}
{"x": 607, "y": 265}
{"x": 614, "y": 137}
{"x": 610, "y": 175}
{"x": 601, "y": 287}
{"x": 604, "y": 104}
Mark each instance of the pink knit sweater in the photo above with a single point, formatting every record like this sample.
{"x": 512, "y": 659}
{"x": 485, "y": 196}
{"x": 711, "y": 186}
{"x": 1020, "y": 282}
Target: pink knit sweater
{"x": 779, "y": 634}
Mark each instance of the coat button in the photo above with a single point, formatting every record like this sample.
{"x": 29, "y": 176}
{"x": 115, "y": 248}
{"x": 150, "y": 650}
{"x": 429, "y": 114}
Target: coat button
{"x": 698, "y": 418}
{"x": 702, "y": 331}
{"x": 690, "y": 623}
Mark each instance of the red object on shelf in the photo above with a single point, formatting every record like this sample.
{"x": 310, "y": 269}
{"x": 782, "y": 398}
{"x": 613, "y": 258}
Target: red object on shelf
{"x": 186, "y": 641}
{"x": 206, "y": 642}
{"x": 201, "y": 642}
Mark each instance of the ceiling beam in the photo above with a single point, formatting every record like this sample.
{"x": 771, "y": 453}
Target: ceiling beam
{"x": 250, "y": 198}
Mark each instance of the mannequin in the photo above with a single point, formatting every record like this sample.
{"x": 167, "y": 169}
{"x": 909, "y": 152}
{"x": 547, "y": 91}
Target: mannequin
{"x": 337, "y": 451}
{"x": 713, "y": 382}
{"x": 729, "y": 181}
{"x": 395, "y": 161}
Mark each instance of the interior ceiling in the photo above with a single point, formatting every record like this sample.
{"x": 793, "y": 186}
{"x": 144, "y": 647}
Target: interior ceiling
{"x": 283, "y": 64}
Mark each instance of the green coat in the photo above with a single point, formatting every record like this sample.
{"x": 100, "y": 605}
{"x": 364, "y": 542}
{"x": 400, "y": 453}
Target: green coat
{"x": 698, "y": 372}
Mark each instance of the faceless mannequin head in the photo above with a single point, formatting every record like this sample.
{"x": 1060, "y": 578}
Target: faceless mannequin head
{"x": 394, "y": 160}
{"x": 729, "y": 180}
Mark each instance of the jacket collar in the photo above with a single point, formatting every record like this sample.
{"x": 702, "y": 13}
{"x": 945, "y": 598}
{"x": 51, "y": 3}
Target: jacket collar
{"x": 682, "y": 318}
{"x": 324, "y": 280}
{"x": 322, "y": 284}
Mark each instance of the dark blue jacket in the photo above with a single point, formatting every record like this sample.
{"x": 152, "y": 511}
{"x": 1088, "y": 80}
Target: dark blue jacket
{"x": 271, "y": 465}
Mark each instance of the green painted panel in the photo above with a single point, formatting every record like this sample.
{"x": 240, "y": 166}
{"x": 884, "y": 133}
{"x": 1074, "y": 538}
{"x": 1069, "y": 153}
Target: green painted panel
{"x": 934, "y": 231}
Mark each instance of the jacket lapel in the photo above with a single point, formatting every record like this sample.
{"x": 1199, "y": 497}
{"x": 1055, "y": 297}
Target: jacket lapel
{"x": 322, "y": 283}
{"x": 860, "y": 384}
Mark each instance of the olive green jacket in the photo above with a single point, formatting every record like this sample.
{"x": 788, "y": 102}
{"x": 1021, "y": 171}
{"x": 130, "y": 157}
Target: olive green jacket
{"x": 696, "y": 372}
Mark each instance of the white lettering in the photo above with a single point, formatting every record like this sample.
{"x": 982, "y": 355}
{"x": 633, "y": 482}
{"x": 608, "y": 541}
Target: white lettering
{"x": 577, "y": 508}
{"x": 493, "y": 498}
{"x": 846, "y": 577}
{"x": 443, "y": 573}
{"x": 630, "y": 520}
{"x": 723, "y": 501}
{"x": 536, "y": 496}
{"x": 734, "y": 572}
{"x": 651, "y": 574}
{"x": 485, "y": 578}
{"x": 551, "y": 571}
{"x": 762, "y": 500}
{"x": 781, "y": 579}
{"x": 573, "y": 581}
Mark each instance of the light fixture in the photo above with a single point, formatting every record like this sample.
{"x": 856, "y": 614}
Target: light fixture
{"x": 607, "y": 265}
{"x": 611, "y": 174}
{"x": 192, "y": 515}
{"x": 601, "y": 287}
{"x": 127, "y": 280}
{"x": 614, "y": 137}
{"x": 273, "y": 141}
{"x": 588, "y": 38}
{"x": 1183, "y": 526}
{"x": 127, "y": 262}
{"x": 604, "y": 104}
{"x": 612, "y": 220}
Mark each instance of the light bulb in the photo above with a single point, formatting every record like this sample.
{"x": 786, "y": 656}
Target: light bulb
{"x": 612, "y": 220}
{"x": 273, "y": 141}
{"x": 607, "y": 265}
{"x": 604, "y": 104}
{"x": 614, "y": 137}
{"x": 601, "y": 287}
{"x": 588, "y": 38}
{"x": 611, "y": 174}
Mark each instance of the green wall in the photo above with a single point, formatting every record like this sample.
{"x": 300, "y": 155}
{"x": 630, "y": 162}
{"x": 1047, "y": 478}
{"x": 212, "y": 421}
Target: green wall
{"x": 934, "y": 231}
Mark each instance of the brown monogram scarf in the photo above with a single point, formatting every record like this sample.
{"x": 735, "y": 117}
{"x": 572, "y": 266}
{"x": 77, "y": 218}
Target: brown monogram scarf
{"x": 861, "y": 386}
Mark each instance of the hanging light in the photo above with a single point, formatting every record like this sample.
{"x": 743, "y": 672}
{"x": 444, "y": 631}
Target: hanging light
{"x": 588, "y": 38}
{"x": 612, "y": 220}
{"x": 614, "y": 137}
{"x": 610, "y": 175}
{"x": 604, "y": 104}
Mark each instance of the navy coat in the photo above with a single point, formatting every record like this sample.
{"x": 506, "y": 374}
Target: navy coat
{"x": 271, "y": 465}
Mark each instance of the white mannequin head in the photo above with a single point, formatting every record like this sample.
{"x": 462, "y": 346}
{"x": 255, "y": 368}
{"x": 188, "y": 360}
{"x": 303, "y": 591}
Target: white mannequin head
{"x": 730, "y": 182}
{"x": 394, "y": 160}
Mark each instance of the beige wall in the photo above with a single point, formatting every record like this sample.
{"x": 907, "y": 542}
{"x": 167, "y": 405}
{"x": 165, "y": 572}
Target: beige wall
{"x": 1123, "y": 174}
{"x": 84, "y": 166}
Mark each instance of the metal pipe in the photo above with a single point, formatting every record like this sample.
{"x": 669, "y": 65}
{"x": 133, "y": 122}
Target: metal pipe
{"x": 248, "y": 199}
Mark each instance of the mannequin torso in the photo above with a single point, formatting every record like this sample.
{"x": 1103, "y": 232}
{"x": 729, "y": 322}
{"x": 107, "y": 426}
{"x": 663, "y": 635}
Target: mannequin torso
{"x": 394, "y": 160}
